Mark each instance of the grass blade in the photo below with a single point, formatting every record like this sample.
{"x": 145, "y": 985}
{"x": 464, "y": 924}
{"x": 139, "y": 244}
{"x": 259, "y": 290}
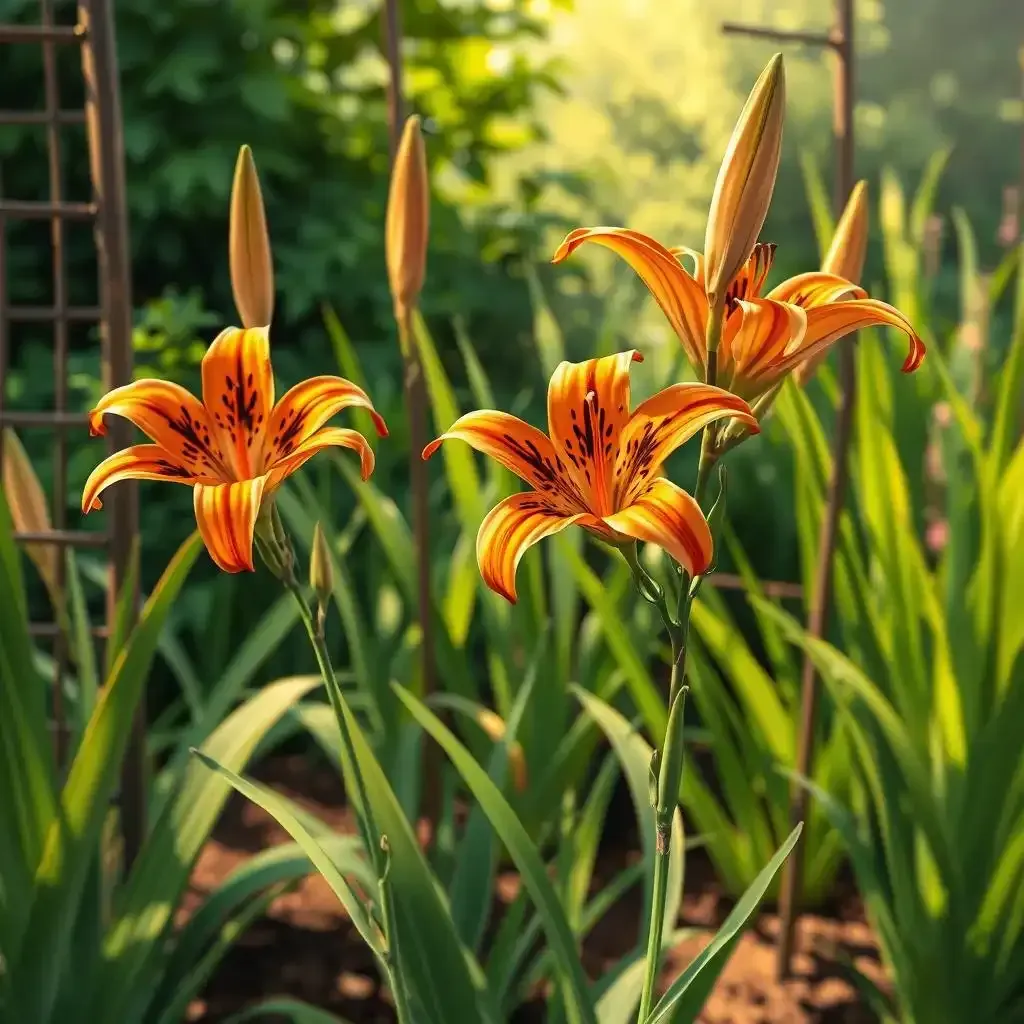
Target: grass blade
{"x": 522, "y": 851}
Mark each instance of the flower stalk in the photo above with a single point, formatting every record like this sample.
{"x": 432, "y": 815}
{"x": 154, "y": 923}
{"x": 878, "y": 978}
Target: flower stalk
{"x": 375, "y": 843}
{"x": 669, "y": 762}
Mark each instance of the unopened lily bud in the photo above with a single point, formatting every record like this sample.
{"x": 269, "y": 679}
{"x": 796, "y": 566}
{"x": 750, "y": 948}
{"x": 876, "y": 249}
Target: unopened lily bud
{"x": 745, "y": 182}
{"x": 321, "y": 571}
{"x": 845, "y": 258}
{"x": 408, "y": 215}
{"x": 252, "y": 272}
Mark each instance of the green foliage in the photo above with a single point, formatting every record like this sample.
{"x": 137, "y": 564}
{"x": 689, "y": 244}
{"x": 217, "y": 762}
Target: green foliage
{"x": 76, "y": 936}
{"x": 929, "y": 706}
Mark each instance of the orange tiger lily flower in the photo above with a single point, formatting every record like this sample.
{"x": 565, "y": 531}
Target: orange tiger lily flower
{"x": 599, "y": 466}
{"x": 236, "y": 446}
{"x": 763, "y": 338}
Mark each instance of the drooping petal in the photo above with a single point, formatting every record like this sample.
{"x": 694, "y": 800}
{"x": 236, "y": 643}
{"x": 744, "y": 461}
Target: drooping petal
{"x": 170, "y": 416}
{"x": 666, "y": 515}
{"x": 226, "y": 515}
{"x": 815, "y": 289}
{"x": 519, "y": 447}
{"x": 140, "y": 462}
{"x": 750, "y": 279}
{"x": 768, "y": 330}
{"x": 680, "y": 297}
{"x": 827, "y": 324}
{"x": 305, "y": 408}
{"x": 508, "y": 530}
{"x": 326, "y": 437}
{"x": 663, "y": 423}
{"x": 238, "y": 392}
{"x": 588, "y": 407}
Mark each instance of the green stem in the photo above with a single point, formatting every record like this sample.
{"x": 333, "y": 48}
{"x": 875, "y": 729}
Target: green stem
{"x": 671, "y": 759}
{"x": 364, "y": 815}
{"x": 668, "y": 789}
{"x": 376, "y": 850}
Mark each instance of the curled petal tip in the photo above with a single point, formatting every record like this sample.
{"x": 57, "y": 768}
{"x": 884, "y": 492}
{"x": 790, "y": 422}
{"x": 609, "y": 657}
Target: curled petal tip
{"x": 97, "y": 428}
{"x": 431, "y": 448}
{"x": 378, "y": 422}
{"x": 569, "y": 244}
{"x": 915, "y": 357}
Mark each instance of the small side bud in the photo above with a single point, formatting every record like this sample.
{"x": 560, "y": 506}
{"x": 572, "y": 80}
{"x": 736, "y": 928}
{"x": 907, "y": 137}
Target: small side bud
{"x": 407, "y": 222}
{"x": 321, "y": 570}
{"x": 252, "y": 272}
{"x": 745, "y": 182}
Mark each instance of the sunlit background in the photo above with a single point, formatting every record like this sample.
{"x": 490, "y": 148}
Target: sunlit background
{"x": 540, "y": 116}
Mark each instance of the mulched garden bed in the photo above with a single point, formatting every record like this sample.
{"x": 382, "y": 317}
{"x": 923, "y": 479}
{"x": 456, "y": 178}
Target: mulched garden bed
{"x": 305, "y": 947}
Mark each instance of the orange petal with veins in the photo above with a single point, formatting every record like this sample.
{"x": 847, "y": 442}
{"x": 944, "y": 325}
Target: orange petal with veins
{"x": 170, "y": 416}
{"x": 238, "y": 392}
{"x": 827, "y": 324}
{"x": 305, "y": 408}
{"x": 665, "y": 421}
{"x": 140, "y": 462}
{"x": 520, "y": 448}
{"x": 680, "y": 297}
{"x": 815, "y": 288}
{"x": 666, "y": 515}
{"x": 508, "y": 530}
{"x": 226, "y": 515}
{"x": 326, "y": 437}
{"x": 588, "y": 407}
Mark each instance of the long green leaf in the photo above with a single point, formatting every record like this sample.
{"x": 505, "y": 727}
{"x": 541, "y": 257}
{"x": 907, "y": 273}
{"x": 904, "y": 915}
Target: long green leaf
{"x": 145, "y": 905}
{"x": 27, "y": 788}
{"x": 282, "y": 812}
{"x": 438, "y": 970}
{"x": 73, "y": 835}
{"x": 687, "y": 994}
{"x": 522, "y": 851}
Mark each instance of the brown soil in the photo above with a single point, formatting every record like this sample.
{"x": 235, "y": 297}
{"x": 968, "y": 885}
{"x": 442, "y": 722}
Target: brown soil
{"x": 306, "y": 949}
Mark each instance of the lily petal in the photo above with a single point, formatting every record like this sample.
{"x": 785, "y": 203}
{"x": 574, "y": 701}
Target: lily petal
{"x": 588, "y": 407}
{"x": 508, "y": 530}
{"x": 663, "y": 423}
{"x": 768, "y": 331}
{"x": 682, "y": 252}
{"x": 170, "y": 416}
{"x": 139, "y": 462}
{"x": 519, "y": 447}
{"x": 666, "y": 515}
{"x": 827, "y": 324}
{"x": 305, "y": 408}
{"x": 238, "y": 392}
{"x": 815, "y": 288}
{"x": 680, "y": 297}
{"x": 326, "y": 437}
{"x": 226, "y": 515}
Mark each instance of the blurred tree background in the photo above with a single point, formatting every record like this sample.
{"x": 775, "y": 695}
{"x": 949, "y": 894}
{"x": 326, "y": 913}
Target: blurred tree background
{"x": 541, "y": 115}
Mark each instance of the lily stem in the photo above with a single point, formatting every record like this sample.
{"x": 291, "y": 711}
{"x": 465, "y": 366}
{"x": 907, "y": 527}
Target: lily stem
{"x": 669, "y": 774}
{"x": 374, "y": 843}
{"x": 670, "y": 759}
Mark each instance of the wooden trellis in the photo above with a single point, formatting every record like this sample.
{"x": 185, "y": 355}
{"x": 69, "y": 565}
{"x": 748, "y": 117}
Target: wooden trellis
{"x": 92, "y": 34}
